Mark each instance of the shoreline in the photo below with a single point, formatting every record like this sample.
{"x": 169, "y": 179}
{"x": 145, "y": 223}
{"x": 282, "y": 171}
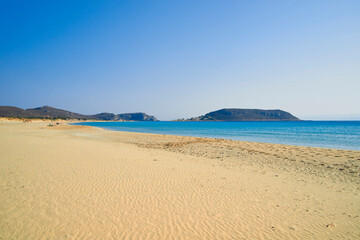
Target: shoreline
{"x": 214, "y": 138}
{"x": 73, "y": 181}
{"x": 189, "y": 135}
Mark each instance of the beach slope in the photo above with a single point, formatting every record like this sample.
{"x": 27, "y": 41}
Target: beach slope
{"x": 78, "y": 182}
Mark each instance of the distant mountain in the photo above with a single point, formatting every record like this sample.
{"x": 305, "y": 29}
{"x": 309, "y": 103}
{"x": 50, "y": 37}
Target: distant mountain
{"x": 106, "y": 116}
{"x": 136, "y": 117}
{"x": 50, "y": 112}
{"x": 7, "y": 111}
{"x": 235, "y": 114}
{"x": 125, "y": 117}
{"x": 47, "y": 111}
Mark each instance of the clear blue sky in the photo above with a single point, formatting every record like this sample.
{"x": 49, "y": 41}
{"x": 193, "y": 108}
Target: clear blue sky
{"x": 177, "y": 59}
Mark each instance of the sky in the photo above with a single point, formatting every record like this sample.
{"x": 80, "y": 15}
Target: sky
{"x": 179, "y": 59}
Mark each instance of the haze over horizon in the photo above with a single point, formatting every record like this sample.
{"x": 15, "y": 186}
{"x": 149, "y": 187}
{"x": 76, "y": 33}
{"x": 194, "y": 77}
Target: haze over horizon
{"x": 182, "y": 58}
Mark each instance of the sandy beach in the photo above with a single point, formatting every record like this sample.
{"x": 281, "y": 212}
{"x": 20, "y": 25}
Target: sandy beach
{"x": 78, "y": 182}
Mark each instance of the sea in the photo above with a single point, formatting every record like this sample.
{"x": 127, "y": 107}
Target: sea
{"x": 324, "y": 134}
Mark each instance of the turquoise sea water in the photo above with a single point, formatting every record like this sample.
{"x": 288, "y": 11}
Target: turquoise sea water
{"x": 327, "y": 134}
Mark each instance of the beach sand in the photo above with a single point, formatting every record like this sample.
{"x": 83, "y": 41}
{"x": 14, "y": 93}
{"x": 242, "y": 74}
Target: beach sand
{"x": 78, "y": 182}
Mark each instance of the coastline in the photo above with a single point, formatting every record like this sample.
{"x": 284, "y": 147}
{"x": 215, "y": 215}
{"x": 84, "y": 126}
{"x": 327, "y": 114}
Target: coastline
{"x": 72, "y": 181}
{"x": 321, "y": 134}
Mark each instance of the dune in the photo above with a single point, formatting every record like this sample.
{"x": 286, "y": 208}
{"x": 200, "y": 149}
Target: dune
{"x": 79, "y": 182}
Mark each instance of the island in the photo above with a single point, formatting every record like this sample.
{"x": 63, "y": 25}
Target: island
{"x": 237, "y": 114}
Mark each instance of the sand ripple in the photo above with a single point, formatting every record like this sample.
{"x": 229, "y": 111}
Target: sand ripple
{"x": 85, "y": 183}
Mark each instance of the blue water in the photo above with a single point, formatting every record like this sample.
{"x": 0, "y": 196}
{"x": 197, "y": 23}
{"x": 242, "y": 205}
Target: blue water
{"x": 327, "y": 134}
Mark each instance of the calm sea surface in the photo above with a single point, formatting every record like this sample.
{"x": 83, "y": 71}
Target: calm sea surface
{"x": 328, "y": 134}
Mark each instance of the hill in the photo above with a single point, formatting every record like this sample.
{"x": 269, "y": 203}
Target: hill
{"x": 50, "y": 112}
{"x": 139, "y": 116}
{"x": 8, "y": 111}
{"x": 47, "y": 111}
{"x": 236, "y": 114}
